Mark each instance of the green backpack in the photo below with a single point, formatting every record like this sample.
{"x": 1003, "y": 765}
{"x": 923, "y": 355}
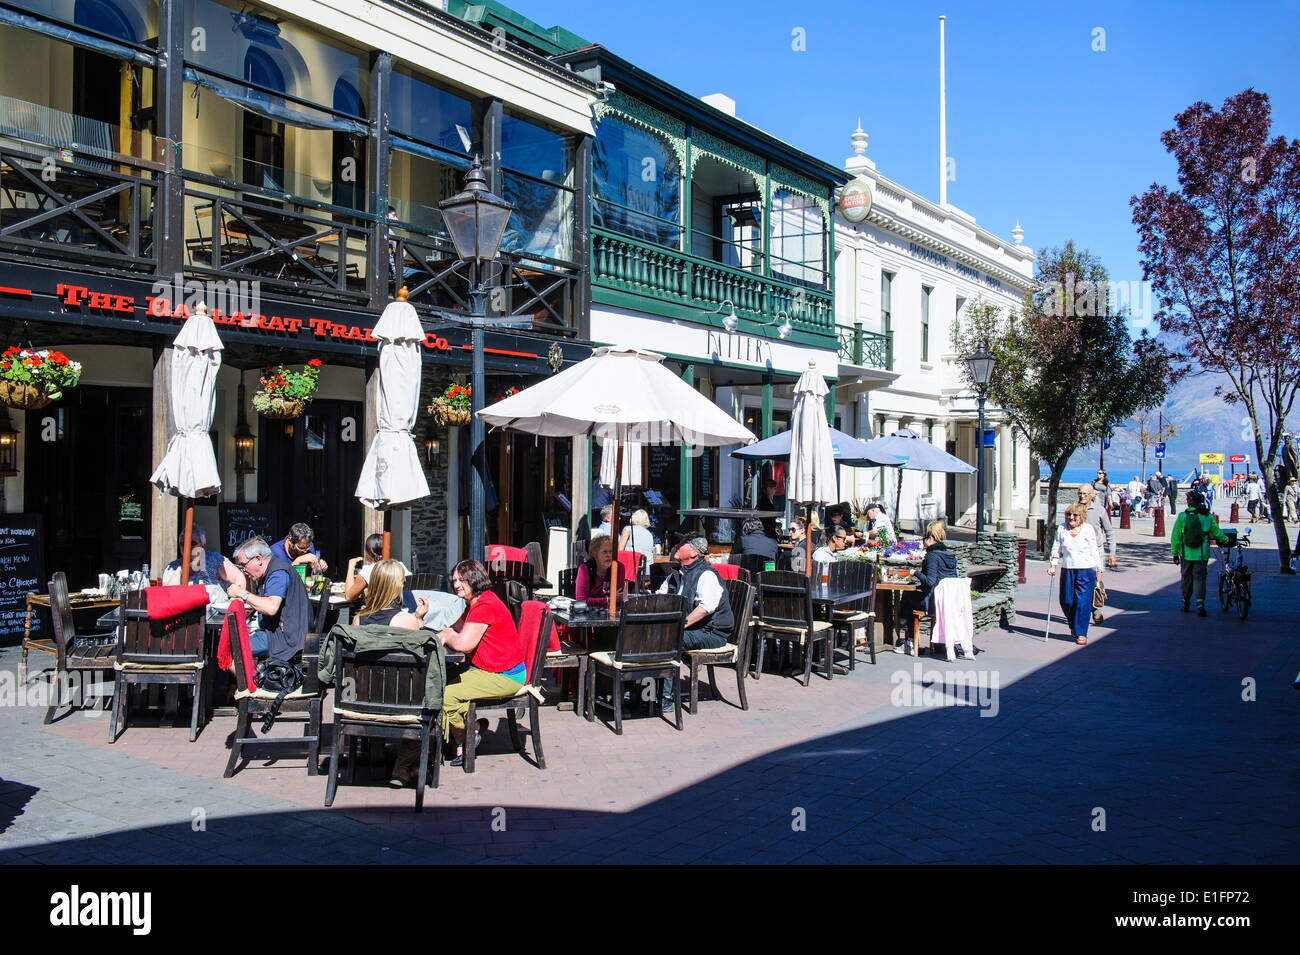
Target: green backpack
{"x": 1193, "y": 530}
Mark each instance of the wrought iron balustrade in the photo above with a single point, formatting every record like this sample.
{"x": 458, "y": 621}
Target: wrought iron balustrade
{"x": 670, "y": 275}
{"x": 866, "y": 349}
{"x": 96, "y": 211}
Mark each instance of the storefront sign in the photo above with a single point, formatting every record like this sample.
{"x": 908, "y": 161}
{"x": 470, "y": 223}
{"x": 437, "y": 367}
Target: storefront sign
{"x": 1211, "y": 458}
{"x": 1238, "y": 458}
{"x": 22, "y": 569}
{"x": 856, "y": 199}
{"x": 237, "y": 522}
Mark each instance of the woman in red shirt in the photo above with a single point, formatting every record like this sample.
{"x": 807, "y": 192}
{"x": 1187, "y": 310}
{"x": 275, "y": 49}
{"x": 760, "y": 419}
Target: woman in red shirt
{"x": 494, "y": 653}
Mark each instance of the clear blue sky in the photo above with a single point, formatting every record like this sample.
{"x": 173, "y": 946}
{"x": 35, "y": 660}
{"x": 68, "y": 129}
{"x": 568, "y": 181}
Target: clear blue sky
{"x": 1042, "y": 128}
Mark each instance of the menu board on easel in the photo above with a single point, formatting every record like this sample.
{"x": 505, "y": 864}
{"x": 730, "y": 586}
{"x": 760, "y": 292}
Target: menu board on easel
{"x": 238, "y": 522}
{"x": 22, "y": 569}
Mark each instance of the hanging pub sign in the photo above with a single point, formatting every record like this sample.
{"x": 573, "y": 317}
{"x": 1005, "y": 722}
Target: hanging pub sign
{"x": 856, "y": 199}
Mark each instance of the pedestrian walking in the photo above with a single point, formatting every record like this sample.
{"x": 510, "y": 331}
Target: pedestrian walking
{"x": 1077, "y": 552}
{"x": 1291, "y": 500}
{"x": 1254, "y": 495}
{"x": 1171, "y": 493}
{"x": 1099, "y": 520}
{"x": 1155, "y": 490}
{"x": 1189, "y": 542}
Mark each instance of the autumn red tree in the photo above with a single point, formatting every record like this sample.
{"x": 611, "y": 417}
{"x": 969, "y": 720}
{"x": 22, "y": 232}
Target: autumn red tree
{"x": 1222, "y": 252}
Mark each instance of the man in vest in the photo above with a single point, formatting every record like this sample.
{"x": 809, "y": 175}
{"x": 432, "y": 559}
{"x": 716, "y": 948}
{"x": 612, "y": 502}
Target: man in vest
{"x": 1190, "y": 542}
{"x": 709, "y": 621}
{"x": 279, "y": 598}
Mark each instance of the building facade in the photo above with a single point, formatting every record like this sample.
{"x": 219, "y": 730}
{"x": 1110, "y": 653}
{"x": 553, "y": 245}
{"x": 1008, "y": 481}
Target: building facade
{"x": 283, "y": 164}
{"x": 906, "y": 269}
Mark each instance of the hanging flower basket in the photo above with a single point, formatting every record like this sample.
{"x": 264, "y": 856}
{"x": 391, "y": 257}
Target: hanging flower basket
{"x": 32, "y": 379}
{"x": 286, "y": 393}
{"x": 452, "y": 408}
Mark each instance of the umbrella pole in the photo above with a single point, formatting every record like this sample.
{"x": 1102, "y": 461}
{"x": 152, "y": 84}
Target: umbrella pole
{"x": 807, "y": 538}
{"x": 388, "y": 537}
{"x": 615, "y": 567}
{"x": 185, "y": 553}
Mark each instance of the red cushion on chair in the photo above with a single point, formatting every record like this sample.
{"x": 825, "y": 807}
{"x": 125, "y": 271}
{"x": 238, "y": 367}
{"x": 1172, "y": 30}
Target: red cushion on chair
{"x": 728, "y": 571}
{"x": 225, "y": 658}
{"x": 503, "y": 552}
{"x": 531, "y": 615}
{"x": 630, "y": 564}
{"x": 165, "y": 602}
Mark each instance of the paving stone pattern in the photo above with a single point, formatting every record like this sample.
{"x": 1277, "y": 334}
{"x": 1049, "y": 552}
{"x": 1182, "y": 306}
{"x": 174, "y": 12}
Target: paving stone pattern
{"x": 1138, "y": 747}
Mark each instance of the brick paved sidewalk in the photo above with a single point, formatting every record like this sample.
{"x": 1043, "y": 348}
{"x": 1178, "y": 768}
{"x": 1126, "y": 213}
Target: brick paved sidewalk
{"x": 1144, "y": 731}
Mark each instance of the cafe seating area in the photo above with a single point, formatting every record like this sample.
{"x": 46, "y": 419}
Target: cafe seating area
{"x": 183, "y": 654}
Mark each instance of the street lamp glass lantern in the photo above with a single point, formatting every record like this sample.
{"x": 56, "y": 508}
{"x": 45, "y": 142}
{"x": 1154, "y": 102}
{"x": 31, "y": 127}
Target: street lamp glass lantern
{"x": 8, "y": 448}
{"x": 980, "y": 366}
{"x": 475, "y": 219}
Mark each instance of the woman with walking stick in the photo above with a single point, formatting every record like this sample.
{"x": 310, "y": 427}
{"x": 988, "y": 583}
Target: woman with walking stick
{"x": 1078, "y": 552}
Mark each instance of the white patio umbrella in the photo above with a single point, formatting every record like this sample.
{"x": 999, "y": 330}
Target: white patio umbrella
{"x": 391, "y": 476}
{"x": 631, "y": 474}
{"x": 621, "y": 393}
{"x": 189, "y": 468}
{"x": 811, "y": 478}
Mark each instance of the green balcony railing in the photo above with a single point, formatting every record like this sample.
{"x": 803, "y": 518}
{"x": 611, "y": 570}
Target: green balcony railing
{"x": 643, "y": 268}
{"x": 866, "y": 349}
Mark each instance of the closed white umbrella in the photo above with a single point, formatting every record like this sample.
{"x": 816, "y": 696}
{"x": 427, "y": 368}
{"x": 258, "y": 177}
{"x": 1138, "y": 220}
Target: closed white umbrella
{"x": 189, "y": 468}
{"x": 391, "y": 476}
{"x": 811, "y": 478}
{"x": 623, "y": 394}
{"x": 631, "y": 476}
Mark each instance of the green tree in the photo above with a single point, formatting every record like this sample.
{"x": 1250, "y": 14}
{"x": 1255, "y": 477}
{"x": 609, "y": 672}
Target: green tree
{"x": 1067, "y": 368}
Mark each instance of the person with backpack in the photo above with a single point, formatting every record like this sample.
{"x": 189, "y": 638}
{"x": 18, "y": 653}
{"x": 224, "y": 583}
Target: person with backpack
{"x": 1190, "y": 541}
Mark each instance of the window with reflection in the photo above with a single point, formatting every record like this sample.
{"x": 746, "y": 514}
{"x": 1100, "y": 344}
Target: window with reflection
{"x": 636, "y": 183}
{"x": 433, "y": 115}
{"x": 537, "y": 175}
{"x": 798, "y": 239}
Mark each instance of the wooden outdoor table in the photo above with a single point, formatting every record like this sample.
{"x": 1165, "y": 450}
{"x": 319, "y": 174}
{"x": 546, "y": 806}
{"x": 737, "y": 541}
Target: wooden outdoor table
{"x": 887, "y": 590}
{"x": 46, "y": 644}
{"x": 978, "y": 569}
{"x": 593, "y": 628}
{"x": 824, "y": 595}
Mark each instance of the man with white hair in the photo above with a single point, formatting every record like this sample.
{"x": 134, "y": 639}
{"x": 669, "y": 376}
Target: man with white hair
{"x": 709, "y": 622}
{"x": 279, "y": 598}
{"x": 1100, "y": 521}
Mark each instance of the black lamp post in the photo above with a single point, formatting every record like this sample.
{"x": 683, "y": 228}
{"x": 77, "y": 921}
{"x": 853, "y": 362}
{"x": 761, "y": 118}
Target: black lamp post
{"x": 980, "y": 367}
{"x": 476, "y": 221}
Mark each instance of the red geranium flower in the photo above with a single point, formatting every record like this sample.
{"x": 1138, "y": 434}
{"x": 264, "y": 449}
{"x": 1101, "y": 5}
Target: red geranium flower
{"x": 315, "y": 362}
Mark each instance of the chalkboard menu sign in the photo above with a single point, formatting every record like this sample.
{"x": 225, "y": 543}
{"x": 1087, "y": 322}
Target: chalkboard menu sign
{"x": 239, "y": 522}
{"x": 22, "y": 569}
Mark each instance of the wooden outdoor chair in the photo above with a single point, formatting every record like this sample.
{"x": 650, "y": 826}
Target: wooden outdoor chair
{"x": 649, "y": 646}
{"x": 736, "y": 653}
{"x": 426, "y": 582}
{"x": 254, "y": 702}
{"x": 75, "y": 653}
{"x": 567, "y": 582}
{"x": 381, "y": 695}
{"x": 848, "y": 618}
{"x": 158, "y": 652}
{"x": 785, "y": 611}
{"x": 501, "y": 572}
{"x": 571, "y": 656}
{"x": 534, "y": 633}
{"x": 516, "y": 594}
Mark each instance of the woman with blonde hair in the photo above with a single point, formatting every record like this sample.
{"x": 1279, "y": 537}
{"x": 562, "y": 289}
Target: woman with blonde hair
{"x": 388, "y": 602}
{"x": 1078, "y": 552}
{"x": 636, "y": 536}
{"x": 939, "y": 564}
{"x": 592, "y": 581}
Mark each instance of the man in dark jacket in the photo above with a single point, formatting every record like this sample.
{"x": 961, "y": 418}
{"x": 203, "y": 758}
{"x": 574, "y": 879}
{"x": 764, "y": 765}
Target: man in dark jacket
{"x": 709, "y": 622}
{"x": 755, "y": 540}
{"x": 1171, "y": 493}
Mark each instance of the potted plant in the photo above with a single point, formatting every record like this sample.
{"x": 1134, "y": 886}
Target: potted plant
{"x": 452, "y": 408}
{"x": 285, "y": 393}
{"x": 31, "y": 379}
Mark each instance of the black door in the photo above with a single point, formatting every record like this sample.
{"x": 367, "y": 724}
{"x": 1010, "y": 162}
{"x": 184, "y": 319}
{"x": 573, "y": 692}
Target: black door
{"x": 950, "y": 495}
{"x": 308, "y": 470}
{"x": 87, "y": 472}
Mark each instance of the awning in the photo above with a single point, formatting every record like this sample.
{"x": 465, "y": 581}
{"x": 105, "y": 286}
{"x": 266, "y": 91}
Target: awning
{"x": 428, "y": 152}
{"x": 68, "y": 35}
{"x": 276, "y": 108}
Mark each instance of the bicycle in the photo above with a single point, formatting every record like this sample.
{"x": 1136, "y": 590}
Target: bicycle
{"x": 1234, "y": 576}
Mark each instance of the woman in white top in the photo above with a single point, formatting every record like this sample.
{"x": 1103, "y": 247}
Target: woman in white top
{"x": 637, "y": 537}
{"x": 359, "y": 568}
{"x": 1078, "y": 553}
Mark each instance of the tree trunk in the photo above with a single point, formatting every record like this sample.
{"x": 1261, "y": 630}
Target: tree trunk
{"x": 1144, "y": 464}
{"x": 1267, "y": 467}
{"x": 1054, "y": 485}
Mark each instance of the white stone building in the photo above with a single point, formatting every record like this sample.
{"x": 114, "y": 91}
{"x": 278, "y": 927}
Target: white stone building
{"x": 903, "y": 271}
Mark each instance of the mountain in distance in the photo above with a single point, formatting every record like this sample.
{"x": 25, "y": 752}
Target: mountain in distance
{"x": 1208, "y": 424}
